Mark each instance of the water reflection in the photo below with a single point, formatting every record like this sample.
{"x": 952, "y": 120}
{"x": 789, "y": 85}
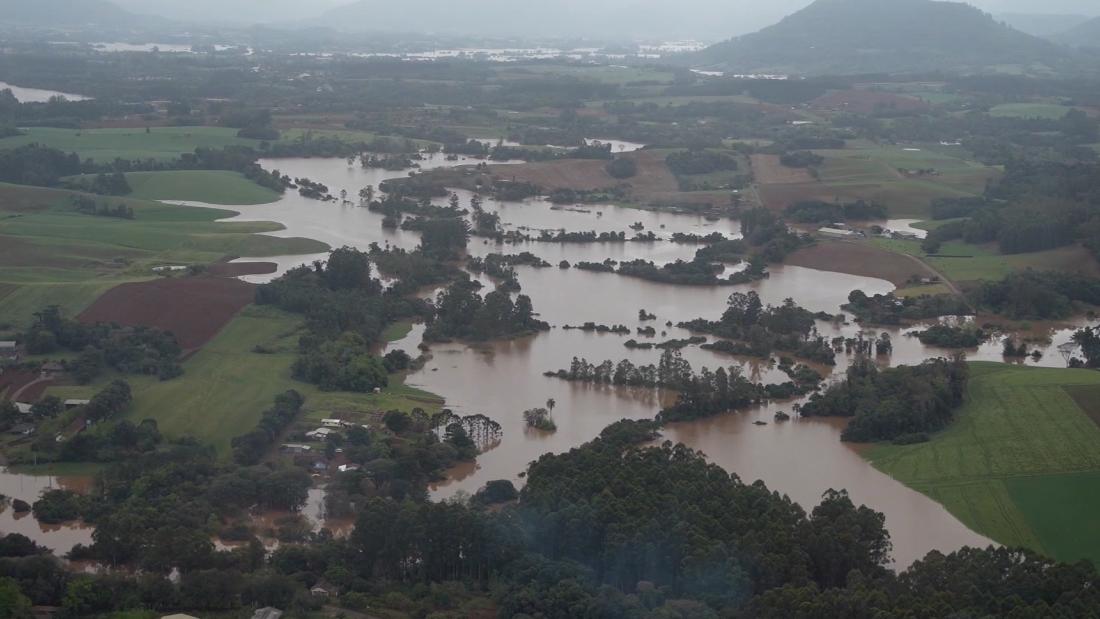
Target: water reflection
{"x": 38, "y": 95}
{"x": 60, "y": 537}
{"x": 803, "y": 458}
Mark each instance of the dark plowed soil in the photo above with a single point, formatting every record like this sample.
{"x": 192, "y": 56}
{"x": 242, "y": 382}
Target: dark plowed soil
{"x": 194, "y": 309}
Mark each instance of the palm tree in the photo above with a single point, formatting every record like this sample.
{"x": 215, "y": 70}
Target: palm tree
{"x": 550, "y": 404}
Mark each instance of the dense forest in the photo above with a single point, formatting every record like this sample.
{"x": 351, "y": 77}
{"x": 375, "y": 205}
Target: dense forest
{"x": 585, "y": 537}
{"x": 901, "y": 404}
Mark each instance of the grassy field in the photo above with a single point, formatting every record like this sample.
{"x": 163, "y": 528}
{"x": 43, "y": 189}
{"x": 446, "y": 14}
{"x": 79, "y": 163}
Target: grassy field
{"x": 1020, "y": 463}
{"x": 209, "y": 186}
{"x": 888, "y": 174}
{"x": 105, "y": 145}
{"x": 226, "y": 386}
{"x": 51, "y": 254}
{"x": 603, "y": 73}
{"x": 972, "y": 263}
{"x": 1030, "y": 110}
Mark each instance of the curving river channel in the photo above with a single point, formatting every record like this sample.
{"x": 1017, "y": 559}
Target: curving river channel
{"x": 802, "y": 458}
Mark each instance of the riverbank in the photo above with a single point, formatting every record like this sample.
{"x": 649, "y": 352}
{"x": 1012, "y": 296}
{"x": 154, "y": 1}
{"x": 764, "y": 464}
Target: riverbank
{"x": 1026, "y": 441}
{"x": 51, "y": 254}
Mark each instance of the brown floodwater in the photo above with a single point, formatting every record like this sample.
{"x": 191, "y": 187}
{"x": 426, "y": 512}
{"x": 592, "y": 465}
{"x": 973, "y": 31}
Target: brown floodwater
{"x": 800, "y": 458}
{"x": 60, "y": 537}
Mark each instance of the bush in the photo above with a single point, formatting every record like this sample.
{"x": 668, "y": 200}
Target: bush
{"x": 622, "y": 167}
{"x": 801, "y": 159}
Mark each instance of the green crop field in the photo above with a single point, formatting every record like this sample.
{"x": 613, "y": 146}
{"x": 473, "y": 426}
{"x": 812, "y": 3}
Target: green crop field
{"x": 889, "y": 175}
{"x": 226, "y": 386}
{"x": 53, "y": 255}
{"x": 209, "y": 186}
{"x": 1030, "y": 110}
{"x": 105, "y": 145}
{"x": 1020, "y": 463}
{"x": 973, "y": 263}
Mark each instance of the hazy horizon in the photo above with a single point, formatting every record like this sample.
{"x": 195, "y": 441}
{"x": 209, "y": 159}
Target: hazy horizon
{"x": 699, "y": 19}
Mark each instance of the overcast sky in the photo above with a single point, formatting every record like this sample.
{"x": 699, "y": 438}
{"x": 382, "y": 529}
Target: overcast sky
{"x": 735, "y": 16}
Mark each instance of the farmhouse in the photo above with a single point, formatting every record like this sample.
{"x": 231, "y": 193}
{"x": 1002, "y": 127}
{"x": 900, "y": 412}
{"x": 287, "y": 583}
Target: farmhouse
{"x": 295, "y": 448}
{"x": 319, "y": 434}
{"x": 23, "y": 408}
{"x": 9, "y": 350}
{"x": 51, "y": 369}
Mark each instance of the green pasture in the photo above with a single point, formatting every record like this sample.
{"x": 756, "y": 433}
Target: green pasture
{"x": 1049, "y": 111}
{"x": 965, "y": 263}
{"x": 51, "y": 254}
{"x": 226, "y": 386}
{"x": 209, "y": 186}
{"x": 887, "y": 174}
{"x": 1020, "y": 463}
{"x": 105, "y": 145}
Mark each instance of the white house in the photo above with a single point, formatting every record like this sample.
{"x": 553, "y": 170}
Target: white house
{"x": 319, "y": 434}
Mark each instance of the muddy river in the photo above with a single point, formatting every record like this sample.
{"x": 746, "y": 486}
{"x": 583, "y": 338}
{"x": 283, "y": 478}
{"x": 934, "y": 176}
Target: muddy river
{"x": 801, "y": 458}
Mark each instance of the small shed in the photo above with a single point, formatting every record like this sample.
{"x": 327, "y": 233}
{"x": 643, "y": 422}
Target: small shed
{"x": 9, "y": 349}
{"x": 71, "y": 404}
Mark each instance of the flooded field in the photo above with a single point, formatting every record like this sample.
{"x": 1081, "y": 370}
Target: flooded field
{"x": 38, "y": 95}
{"x": 58, "y": 537}
{"x": 800, "y": 458}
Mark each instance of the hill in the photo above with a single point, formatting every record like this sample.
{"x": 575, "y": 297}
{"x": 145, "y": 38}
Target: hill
{"x": 868, "y": 36}
{"x": 606, "y": 19}
{"x": 64, "y": 12}
{"x": 1042, "y": 24}
{"x": 1083, "y": 35}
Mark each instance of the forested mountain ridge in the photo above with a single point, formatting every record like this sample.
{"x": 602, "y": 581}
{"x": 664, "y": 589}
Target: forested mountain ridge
{"x": 866, "y": 36}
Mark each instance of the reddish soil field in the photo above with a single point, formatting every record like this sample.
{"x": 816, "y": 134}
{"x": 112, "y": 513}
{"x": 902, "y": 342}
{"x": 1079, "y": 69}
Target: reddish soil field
{"x": 858, "y": 259}
{"x": 867, "y": 101}
{"x": 11, "y": 381}
{"x": 194, "y": 309}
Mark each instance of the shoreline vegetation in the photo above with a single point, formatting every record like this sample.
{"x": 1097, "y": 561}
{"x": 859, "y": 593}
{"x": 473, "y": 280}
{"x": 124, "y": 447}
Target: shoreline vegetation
{"x": 1023, "y": 438}
{"x": 260, "y": 445}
